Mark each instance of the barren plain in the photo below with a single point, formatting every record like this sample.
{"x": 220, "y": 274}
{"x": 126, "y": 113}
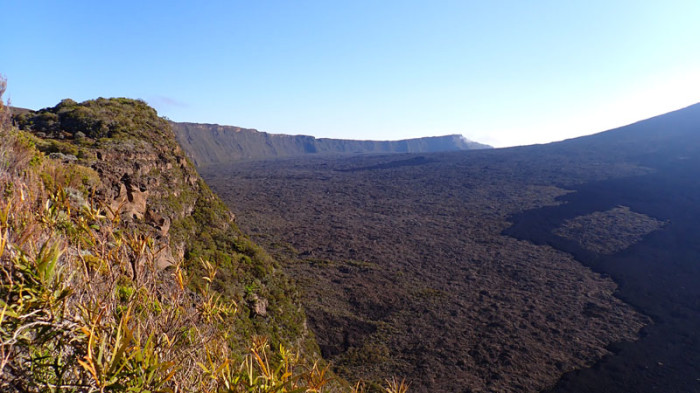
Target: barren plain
{"x": 499, "y": 270}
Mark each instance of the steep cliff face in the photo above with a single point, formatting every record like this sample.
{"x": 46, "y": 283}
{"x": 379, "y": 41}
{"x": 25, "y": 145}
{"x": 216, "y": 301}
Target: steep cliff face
{"x": 208, "y": 144}
{"x": 147, "y": 183}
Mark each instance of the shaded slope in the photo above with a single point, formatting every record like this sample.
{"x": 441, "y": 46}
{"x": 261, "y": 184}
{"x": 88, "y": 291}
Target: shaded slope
{"x": 208, "y": 144}
{"x": 657, "y": 275}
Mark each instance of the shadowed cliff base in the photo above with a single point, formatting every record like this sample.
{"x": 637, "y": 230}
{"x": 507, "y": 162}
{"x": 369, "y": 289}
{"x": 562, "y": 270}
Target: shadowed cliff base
{"x": 658, "y": 275}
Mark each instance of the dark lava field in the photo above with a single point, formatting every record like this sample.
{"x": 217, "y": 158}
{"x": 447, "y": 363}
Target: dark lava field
{"x": 567, "y": 267}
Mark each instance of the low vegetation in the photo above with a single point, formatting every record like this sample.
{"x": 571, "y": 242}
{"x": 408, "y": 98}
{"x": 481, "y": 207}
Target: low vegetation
{"x": 100, "y": 118}
{"x": 85, "y": 305}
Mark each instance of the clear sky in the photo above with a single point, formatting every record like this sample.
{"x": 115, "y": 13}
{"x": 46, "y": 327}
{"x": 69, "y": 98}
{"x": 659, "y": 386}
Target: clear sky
{"x": 498, "y": 72}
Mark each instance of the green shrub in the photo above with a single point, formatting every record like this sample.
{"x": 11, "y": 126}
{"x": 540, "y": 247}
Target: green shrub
{"x": 83, "y": 306}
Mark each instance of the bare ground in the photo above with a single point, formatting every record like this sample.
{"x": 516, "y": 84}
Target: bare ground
{"x": 406, "y": 271}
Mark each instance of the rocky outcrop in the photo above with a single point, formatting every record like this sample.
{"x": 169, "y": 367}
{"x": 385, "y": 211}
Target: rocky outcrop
{"x": 150, "y": 186}
{"x": 258, "y": 305}
{"x": 126, "y": 158}
{"x": 208, "y": 144}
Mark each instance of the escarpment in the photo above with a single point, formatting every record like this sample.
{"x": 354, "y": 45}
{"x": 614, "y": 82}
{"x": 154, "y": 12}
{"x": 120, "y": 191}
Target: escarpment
{"x": 213, "y": 144}
{"x": 147, "y": 183}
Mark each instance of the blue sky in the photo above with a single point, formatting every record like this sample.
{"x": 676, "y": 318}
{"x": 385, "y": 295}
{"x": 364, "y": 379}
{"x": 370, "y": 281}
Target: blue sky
{"x": 499, "y": 72}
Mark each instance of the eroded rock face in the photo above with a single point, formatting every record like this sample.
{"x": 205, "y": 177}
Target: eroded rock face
{"x": 145, "y": 178}
{"x": 149, "y": 185}
{"x": 166, "y": 256}
{"x": 167, "y": 215}
{"x": 258, "y": 305}
{"x": 130, "y": 202}
{"x": 159, "y": 222}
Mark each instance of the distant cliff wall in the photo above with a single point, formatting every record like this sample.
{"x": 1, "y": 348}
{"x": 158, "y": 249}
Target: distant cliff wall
{"x": 208, "y": 144}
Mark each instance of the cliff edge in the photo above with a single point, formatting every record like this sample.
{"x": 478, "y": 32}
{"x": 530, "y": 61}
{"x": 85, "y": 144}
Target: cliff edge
{"x": 208, "y": 144}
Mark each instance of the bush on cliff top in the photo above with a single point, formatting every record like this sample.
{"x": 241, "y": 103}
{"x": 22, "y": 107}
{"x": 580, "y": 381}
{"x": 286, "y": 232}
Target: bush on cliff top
{"x": 100, "y": 118}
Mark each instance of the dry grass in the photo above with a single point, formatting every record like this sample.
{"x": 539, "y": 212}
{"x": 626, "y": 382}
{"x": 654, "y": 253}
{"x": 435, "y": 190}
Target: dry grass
{"x": 83, "y": 307}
